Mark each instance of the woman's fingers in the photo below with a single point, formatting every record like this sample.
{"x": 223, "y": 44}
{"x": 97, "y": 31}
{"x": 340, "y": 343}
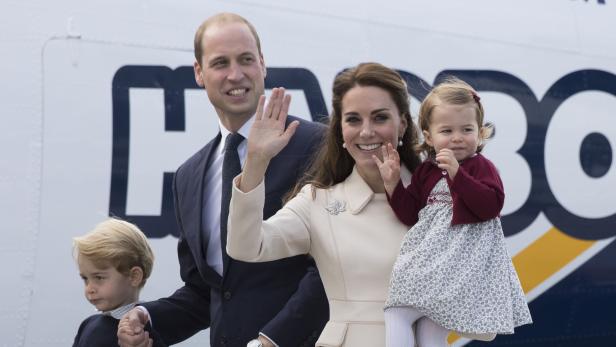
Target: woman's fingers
{"x": 377, "y": 161}
{"x": 384, "y": 152}
{"x": 284, "y": 110}
{"x": 276, "y": 101}
{"x": 390, "y": 153}
{"x": 267, "y": 112}
{"x": 259, "y": 114}
{"x": 276, "y": 108}
{"x": 290, "y": 131}
{"x": 395, "y": 153}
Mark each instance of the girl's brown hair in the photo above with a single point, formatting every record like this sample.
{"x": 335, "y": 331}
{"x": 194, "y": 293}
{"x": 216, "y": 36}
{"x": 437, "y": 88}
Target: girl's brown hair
{"x": 453, "y": 91}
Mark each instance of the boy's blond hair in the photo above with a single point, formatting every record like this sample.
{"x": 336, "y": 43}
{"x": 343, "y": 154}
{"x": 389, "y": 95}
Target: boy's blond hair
{"x": 116, "y": 243}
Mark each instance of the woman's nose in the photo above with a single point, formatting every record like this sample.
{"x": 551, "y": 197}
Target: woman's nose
{"x": 367, "y": 131}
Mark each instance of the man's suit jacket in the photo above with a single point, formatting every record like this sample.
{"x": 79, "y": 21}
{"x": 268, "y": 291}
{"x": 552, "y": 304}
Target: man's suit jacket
{"x": 284, "y": 299}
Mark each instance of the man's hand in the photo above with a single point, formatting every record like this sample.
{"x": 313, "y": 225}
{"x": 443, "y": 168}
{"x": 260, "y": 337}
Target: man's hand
{"x": 447, "y": 161}
{"x": 131, "y": 332}
{"x": 389, "y": 167}
{"x": 265, "y": 341}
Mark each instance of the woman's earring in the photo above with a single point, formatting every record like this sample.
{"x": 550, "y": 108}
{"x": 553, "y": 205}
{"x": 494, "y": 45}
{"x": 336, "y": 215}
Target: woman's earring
{"x": 344, "y": 145}
{"x": 400, "y": 143}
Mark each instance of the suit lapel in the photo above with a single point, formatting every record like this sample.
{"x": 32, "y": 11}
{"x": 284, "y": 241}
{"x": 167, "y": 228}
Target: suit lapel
{"x": 195, "y": 234}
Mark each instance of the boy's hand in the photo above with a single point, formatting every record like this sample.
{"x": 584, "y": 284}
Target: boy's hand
{"x": 446, "y": 160}
{"x": 389, "y": 167}
{"x": 131, "y": 332}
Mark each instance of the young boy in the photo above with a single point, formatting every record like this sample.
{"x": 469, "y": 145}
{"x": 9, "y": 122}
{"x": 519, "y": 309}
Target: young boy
{"x": 114, "y": 262}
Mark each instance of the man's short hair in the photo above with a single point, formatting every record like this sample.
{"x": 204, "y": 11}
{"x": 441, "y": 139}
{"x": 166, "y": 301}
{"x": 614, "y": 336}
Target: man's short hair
{"x": 221, "y": 18}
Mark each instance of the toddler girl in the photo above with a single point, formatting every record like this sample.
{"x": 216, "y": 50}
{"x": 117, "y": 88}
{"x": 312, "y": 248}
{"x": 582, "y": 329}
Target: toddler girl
{"x": 453, "y": 271}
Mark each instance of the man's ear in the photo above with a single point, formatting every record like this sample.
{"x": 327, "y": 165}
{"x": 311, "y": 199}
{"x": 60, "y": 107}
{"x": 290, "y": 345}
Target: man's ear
{"x": 135, "y": 275}
{"x": 198, "y": 74}
{"x": 263, "y": 65}
{"x": 428, "y": 138}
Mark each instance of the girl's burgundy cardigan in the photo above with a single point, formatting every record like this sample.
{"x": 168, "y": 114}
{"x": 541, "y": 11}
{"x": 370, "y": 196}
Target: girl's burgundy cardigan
{"x": 477, "y": 192}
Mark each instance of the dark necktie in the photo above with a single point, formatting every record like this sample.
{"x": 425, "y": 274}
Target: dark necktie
{"x": 231, "y": 167}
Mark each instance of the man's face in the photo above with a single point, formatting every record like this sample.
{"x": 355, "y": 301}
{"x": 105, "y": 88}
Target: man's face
{"x": 231, "y": 70}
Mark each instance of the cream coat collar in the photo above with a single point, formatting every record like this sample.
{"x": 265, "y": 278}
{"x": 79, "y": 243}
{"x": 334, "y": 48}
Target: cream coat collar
{"x": 358, "y": 193}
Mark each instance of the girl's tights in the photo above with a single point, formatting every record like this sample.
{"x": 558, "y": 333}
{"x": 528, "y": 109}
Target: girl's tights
{"x": 399, "y": 329}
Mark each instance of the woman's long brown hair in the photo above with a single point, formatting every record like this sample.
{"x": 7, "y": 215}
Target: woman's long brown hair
{"x": 333, "y": 164}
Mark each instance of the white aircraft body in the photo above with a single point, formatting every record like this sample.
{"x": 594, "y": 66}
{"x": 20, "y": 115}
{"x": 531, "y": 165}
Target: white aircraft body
{"x": 99, "y": 107}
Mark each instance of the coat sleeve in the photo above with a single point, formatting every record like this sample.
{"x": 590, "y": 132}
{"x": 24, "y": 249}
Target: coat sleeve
{"x": 479, "y": 188}
{"x": 285, "y": 234}
{"x": 301, "y": 320}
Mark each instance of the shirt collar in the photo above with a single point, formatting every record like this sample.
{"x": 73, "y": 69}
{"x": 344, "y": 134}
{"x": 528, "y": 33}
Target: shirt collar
{"x": 244, "y": 131}
{"x": 120, "y": 311}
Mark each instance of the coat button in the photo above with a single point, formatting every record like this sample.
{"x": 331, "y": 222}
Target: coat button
{"x": 227, "y": 295}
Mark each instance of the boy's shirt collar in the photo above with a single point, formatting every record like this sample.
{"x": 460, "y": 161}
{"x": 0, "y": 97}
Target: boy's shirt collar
{"x": 120, "y": 311}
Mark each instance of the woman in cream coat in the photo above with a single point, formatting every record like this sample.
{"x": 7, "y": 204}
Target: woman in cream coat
{"x": 341, "y": 215}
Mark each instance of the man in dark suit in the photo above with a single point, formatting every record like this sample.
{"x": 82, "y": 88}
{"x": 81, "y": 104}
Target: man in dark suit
{"x": 280, "y": 303}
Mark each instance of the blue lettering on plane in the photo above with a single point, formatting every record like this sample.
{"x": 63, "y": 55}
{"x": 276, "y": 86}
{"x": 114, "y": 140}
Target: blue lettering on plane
{"x": 538, "y": 115}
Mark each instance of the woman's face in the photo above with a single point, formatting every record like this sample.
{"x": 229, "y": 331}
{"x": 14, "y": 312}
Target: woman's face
{"x": 370, "y": 119}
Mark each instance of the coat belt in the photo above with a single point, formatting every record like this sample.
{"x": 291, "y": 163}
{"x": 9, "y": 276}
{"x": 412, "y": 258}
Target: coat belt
{"x": 356, "y": 311}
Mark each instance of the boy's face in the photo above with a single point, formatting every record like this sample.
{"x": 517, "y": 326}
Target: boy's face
{"x": 106, "y": 288}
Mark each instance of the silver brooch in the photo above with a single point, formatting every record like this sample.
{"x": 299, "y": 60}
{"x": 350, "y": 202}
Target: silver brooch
{"x": 335, "y": 207}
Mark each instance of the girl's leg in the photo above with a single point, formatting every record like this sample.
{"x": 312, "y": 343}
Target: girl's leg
{"x": 430, "y": 334}
{"x": 399, "y": 326}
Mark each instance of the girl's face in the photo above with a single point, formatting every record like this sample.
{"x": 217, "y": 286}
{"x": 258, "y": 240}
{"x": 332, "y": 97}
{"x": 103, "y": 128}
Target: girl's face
{"x": 106, "y": 288}
{"x": 370, "y": 119}
{"x": 454, "y": 127}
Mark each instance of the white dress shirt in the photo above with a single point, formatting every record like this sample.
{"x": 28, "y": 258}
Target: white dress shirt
{"x": 212, "y": 194}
